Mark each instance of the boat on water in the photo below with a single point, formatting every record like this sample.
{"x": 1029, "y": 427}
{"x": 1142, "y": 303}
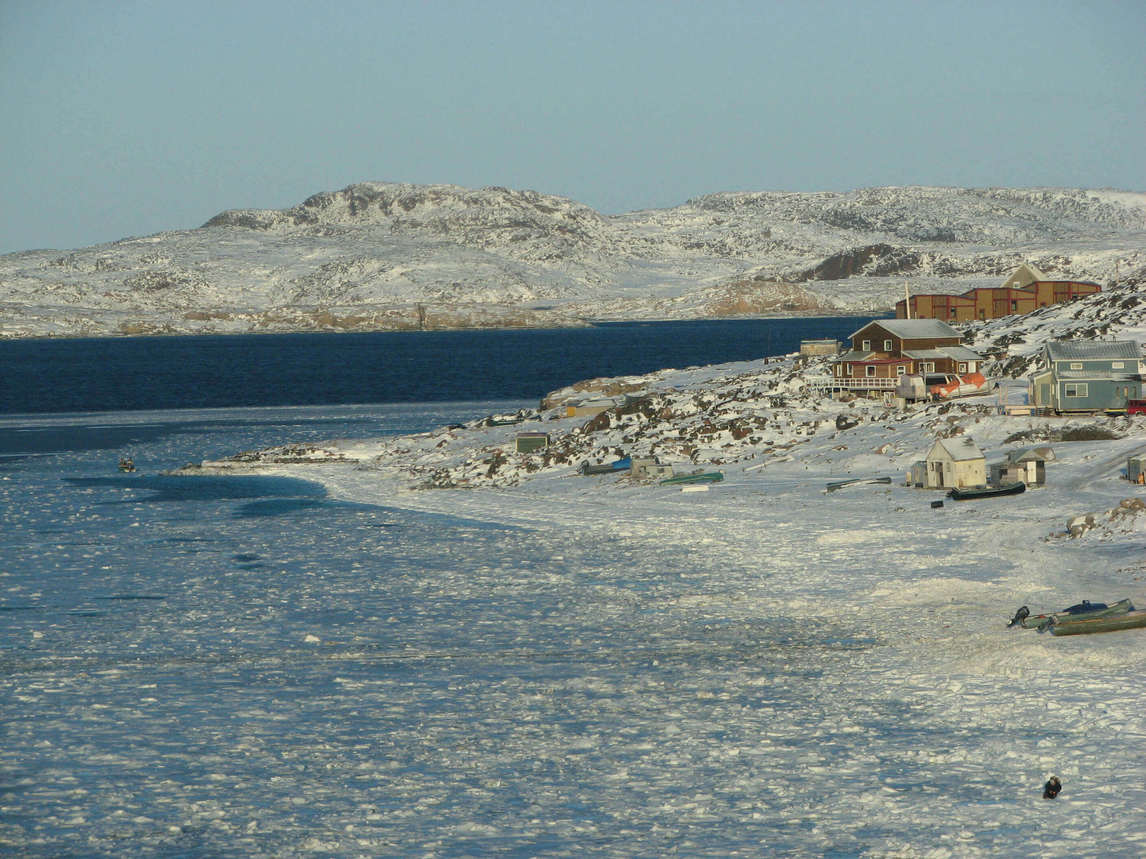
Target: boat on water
{"x": 1083, "y": 610}
{"x": 1083, "y": 625}
{"x": 694, "y": 477}
{"x": 972, "y": 493}
{"x": 622, "y": 464}
{"x": 857, "y": 481}
{"x": 126, "y": 464}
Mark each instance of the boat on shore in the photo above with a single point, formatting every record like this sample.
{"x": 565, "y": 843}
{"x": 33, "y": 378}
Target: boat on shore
{"x": 973, "y": 493}
{"x": 623, "y": 464}
{"x": 857, "y": 481}
{"x": 1082, "y": 611}
{"x": 694, "y": 477}
{"x": 1084, "y": 625}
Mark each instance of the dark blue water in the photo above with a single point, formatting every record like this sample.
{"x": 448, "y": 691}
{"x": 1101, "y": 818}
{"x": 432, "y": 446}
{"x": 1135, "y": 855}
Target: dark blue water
{"x": 144, "y": 373}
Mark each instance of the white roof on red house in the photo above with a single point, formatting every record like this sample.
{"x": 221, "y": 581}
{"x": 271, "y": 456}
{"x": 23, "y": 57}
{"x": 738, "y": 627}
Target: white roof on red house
{"x": 912, "y": 329}
{"x": 954, "y": 353}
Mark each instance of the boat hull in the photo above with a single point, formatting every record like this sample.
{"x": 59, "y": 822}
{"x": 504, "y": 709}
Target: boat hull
{"x": 1087, "y": 625}
{"x": 858, "y": 481}
{"x": 1043, "y": 621}
{"x": 989, "y": 492}
{"x": 704, "y": 477}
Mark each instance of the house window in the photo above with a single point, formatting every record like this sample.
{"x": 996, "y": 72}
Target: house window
{"x": 886, "y": 345}
{"x": 849, "y": 369}
{"x": 900, "y": 370}
{"x": 926, "y": 366}
{"x": 1076, "y": 389}
{"x": 1076, "y": 365}
{"x": 962, "y": 366}
{"x": 1117, "y": 365}
{"x": 866, "y": 346}
{"x": 869, "y": 370}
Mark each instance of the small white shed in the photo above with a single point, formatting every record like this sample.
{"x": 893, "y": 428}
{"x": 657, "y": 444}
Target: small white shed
{"x": 1028, "y": 465}
{"x": 955, "y": 463}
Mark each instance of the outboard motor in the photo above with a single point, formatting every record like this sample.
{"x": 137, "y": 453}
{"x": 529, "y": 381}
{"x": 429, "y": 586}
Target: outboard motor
{"x": 1022, "y": 614}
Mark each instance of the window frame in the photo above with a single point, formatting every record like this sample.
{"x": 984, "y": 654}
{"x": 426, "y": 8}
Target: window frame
{"x": 1075, "y": 390}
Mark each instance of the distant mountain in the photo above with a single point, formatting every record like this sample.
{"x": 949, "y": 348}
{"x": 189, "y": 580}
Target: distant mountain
{"x": 382, "y": 255}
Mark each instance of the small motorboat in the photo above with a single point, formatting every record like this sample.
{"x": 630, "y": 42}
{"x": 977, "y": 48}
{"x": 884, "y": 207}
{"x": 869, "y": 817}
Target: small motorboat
{"x": 973, "y": 493}
{"x": 1083, "y": 610}
{"x": 623, "y": 464}
{"x": 126, "y": 464}
{"x": 857, "y": 481}
{"x": 694, "y": 477}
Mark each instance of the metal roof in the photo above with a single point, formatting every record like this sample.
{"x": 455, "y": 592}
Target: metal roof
{"x": 1092, "y": 350}
{"x": 960, "y": 448}
{"x": 856, "y": 355}
{"x": 913, "y": 329}
{"x": 955, "y": 353}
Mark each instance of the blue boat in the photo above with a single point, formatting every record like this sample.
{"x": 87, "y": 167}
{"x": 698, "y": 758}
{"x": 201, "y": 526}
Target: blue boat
{"x": 623, "y": 464}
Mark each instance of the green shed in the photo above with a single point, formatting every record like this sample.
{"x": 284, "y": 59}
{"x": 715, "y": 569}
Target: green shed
{"x": 530, "y": 442}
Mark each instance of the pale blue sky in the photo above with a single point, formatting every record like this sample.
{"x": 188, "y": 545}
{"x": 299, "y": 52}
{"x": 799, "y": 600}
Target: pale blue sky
{"x": 127, "y": 118}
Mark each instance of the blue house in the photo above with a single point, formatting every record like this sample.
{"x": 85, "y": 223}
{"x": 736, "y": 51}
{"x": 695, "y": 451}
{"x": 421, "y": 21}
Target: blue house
{"x": 1088, "y": 376}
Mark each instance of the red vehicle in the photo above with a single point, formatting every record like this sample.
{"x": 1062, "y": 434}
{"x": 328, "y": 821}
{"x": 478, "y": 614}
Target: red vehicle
{"x": 1136, "y": 407}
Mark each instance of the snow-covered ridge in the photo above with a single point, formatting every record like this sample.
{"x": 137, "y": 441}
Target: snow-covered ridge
{"x": 391, "y": 255}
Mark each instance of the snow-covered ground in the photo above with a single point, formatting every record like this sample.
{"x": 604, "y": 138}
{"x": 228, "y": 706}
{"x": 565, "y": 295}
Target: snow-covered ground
{"x": 305, "y": 649}
{"x": 767, "y": 667}
{"x": 572, "y": 666}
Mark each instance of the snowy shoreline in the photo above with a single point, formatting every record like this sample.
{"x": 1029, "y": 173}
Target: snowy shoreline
{"x": 916, "y": 601}
{"x": 811, "y": 671}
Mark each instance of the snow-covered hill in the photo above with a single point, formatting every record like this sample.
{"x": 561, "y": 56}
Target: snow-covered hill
{"x": 383, "y": 255}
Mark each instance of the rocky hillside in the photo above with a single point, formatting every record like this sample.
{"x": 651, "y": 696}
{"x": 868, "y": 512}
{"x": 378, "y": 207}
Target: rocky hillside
{"x": 740, "y": 416}
{"x": 379, "y": 255}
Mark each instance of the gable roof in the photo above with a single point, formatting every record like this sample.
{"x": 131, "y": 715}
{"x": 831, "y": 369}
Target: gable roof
{"x": 960, "y": 448}
{"x": 913, "y": 329}
{"x": 1030, "y": 454}
{"x": 1094, "y": 350}
{"x": 1024, "y": 275}
{"x": 953, "y": 353}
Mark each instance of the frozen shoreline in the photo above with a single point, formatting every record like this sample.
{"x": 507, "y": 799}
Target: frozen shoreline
{"x": 915, "y": 601}
{"x": 567, "y": 665}
{"x": 846, "y": 679}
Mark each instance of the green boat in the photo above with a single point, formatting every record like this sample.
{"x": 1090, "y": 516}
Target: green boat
{"x": 694, "y": 477}
{"x": 1085, "y": 625}
{"x": 1084, "y": 610}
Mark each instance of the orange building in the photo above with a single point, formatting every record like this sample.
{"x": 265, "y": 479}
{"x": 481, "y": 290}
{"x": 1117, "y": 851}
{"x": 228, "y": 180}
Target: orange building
{"x": 1023, "y": 292}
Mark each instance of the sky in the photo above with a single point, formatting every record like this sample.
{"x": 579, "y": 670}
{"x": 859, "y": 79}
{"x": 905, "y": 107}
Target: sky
{"x": 122, "y": 118}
